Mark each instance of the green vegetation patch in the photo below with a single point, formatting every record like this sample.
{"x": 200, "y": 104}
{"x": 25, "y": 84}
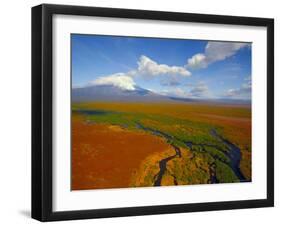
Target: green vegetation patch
{"x": 217, "y": 154}
{"x": 224, "y": 173}
{"x": 206, "y": 148}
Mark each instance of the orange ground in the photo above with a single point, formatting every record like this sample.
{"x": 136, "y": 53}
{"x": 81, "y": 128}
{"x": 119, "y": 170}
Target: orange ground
{"x": 105, "y": 156}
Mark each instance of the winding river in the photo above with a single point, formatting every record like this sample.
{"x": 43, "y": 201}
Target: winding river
{"x": 162, "y": 163}
{"x": 233, "y": 153}
{"x": 163, "y": 166}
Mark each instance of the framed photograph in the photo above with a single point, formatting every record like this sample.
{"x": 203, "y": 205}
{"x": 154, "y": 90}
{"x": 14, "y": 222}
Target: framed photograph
{"x": 145, "y": 112}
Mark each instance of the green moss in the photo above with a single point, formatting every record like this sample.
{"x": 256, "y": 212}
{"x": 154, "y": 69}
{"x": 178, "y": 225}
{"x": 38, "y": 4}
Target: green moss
{"x": 185, "y": 170}
{"x": 224, "y": 173}
{"x": 217, "y": 154}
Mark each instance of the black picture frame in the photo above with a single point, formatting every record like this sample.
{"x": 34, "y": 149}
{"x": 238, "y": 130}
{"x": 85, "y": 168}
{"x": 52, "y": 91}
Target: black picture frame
{"x": 42, "y": 111}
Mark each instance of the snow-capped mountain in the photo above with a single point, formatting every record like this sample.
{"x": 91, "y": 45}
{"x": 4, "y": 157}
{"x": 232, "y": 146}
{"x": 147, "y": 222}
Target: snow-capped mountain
{"x": 114, "y": 93}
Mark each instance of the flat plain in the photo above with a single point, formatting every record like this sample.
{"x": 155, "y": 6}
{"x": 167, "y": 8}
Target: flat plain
{"x": 127, "y": 144}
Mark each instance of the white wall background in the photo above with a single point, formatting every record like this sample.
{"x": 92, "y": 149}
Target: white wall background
{"x": 15, "y": 113}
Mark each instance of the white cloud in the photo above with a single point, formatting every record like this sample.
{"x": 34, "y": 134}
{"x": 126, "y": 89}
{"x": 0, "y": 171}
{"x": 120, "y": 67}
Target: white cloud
{"x": 214, "y": 51}
{"x": 170, "y": 81}
{"x": 200, "y": 90}
{"x": 120, "y": 80}
{"x": 177, "y": 92}
{"x": 242, "y": 92}
{"x": 147, "y": 66}
{"x": 180, "y": 92}
{"x": 197, "y": 61}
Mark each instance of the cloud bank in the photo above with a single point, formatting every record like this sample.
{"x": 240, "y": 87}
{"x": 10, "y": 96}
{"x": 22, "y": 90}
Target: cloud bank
{"x": 214, "y": 51}
{"x": 197, "y": 91}
{"x": 201, "y": 90}
{"x": 147, "y": 66}
{"x": 170, "y": 81}
{"x": 119, "y": 80}
{"x": 243, "y": 91}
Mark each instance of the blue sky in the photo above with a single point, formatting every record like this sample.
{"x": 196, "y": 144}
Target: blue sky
{"x": 182, "y": 68}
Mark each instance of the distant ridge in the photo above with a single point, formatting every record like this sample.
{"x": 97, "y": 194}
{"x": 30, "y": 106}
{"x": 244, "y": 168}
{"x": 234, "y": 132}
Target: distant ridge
{"x": 113, "y": 93}
{"x": 138, "y": 94}
{"x": 214, "y": 101}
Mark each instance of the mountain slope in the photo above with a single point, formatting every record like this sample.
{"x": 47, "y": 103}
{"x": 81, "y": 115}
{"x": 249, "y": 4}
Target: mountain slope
{"x": 114, "y": 93}
{"x": 138, "y": 94}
